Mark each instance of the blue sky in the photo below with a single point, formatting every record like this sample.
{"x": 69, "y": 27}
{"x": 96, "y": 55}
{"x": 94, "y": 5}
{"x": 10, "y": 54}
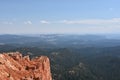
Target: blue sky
{"x": 59, "y": 16}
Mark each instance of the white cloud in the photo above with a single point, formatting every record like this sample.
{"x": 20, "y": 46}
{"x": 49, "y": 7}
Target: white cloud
{"x": 27, "y": 22}
{"x": 111, "y": 9}
{"x": 6, "y": 22}
{"x": 93, "y": 21}
{"x": 44, "y": 22}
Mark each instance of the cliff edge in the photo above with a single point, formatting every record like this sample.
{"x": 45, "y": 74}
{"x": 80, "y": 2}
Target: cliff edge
{"x": 14, "y": 66}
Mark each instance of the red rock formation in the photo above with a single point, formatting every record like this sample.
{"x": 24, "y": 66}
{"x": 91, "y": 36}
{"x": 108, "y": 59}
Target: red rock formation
{"x": 13, "y": 66}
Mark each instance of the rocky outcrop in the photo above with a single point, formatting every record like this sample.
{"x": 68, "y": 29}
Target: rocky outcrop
{"x": 14, "y": 66}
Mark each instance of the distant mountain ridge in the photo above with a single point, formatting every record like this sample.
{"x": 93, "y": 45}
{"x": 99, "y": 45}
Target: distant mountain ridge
{"x": 58, "y": 41}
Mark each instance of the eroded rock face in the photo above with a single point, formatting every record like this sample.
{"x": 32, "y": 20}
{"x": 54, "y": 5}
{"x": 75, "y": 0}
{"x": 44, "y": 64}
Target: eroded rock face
{"x": 13, "y": 66}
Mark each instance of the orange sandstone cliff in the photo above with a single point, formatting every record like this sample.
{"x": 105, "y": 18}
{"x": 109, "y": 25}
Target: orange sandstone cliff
{"x": 14, "y": 66}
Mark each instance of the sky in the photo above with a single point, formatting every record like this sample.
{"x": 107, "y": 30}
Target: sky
{"x": 59, "y": 16}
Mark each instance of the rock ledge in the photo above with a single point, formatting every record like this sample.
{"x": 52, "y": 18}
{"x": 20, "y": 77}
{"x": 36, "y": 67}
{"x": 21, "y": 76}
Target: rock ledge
{"x": 14, "y": 66}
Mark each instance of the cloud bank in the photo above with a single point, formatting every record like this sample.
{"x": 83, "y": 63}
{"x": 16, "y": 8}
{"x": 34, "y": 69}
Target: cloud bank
{"x": 44, "y": 22}
{"x": 27, "y": 22}
{"x": 93, "y": 21}
{"x": 8, "y": 23}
